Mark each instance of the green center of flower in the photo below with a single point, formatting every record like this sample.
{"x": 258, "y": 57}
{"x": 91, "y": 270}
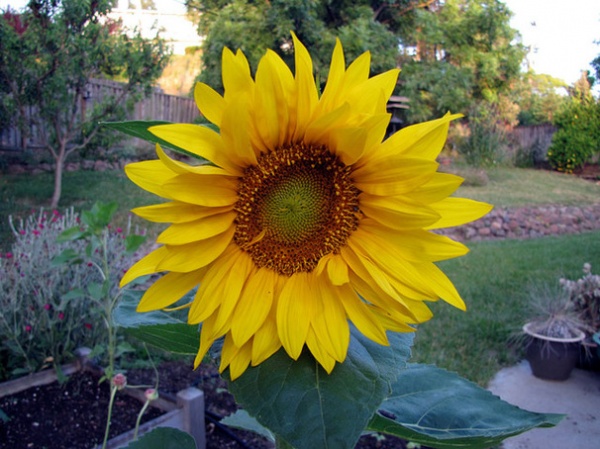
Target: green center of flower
{"x": 295, "y": 206}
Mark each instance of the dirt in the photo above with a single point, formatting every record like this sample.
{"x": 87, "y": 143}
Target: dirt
{"x": 73, "y": 415}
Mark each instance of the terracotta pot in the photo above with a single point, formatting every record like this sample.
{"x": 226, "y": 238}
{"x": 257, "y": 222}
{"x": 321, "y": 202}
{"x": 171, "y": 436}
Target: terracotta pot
{"x": 552, "y": 358}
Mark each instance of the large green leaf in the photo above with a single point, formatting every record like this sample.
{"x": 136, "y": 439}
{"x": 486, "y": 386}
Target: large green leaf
{"x": 164, "y": 438}
{"x": 168, "y": 331}
{"x": 437, "y": 408}
{"x": 307, "y": 408}
{"x": 139, "y": 129}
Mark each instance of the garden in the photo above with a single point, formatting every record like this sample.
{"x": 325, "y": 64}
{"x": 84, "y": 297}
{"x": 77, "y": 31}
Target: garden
{"x": 51, "y": 316}
{"x": 308, "y": 251}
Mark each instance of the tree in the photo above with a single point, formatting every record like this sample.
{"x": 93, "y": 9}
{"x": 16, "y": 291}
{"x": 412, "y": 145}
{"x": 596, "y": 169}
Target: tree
{"x": 257, "y": 25}
{"x": 461, "y": 53}
{"x": 50, "y": 54}
{"x": 539, "y": 97}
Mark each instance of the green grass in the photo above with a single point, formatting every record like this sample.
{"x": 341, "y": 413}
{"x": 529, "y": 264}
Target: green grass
{"x": 515, "y": 187}
{"x": 494, "y": 279}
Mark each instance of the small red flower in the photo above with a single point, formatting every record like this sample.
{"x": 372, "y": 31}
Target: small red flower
{"x": 9, "y": 255}
{"x": 47, "y": 306}
{"x": 28, "y": 328}
{"x": 119, "y": 380}
{"x": 22, "y": 232}
{"x": 36, "y": 232}
{"x": 119, "y": 230}
{"x": 87, "y": 325}
{"x": 61, "y": 316}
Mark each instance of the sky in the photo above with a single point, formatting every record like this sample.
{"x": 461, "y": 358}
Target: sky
{"x": 560, "y": 33}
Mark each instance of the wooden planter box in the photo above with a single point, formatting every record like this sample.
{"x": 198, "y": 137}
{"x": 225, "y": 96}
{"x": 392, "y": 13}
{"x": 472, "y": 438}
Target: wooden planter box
{"x": 185, "y": 412}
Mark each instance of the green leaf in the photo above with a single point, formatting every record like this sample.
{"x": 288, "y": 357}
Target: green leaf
{"x": 164, "y": 438}
{"x": 308, "y": 408}
{"x": 133, "y": 242}
{"x": 95, "y": 290}
{"x": 73, "y": 294}
{"x": 168, "y": 331}
{"x": 69, "y": 255}
{"x": 139, "y": 129}
{"x": 99, "y": 216}
{"x": 242, "y": 420}
{"x": 440, "y": 409}
{"x": 74, "y": 233}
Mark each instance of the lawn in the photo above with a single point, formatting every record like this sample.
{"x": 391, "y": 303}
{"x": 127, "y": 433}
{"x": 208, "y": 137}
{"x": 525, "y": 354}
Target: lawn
{"x": 493, "y": 278}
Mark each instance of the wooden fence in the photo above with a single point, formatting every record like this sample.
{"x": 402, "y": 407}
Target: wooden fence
{"x": 157, "y": 106}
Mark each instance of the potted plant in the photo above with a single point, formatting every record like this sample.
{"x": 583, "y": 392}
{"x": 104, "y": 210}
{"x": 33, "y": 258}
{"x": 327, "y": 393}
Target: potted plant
{"x": 585, "y": 296}
{"x": 553, "y": 335}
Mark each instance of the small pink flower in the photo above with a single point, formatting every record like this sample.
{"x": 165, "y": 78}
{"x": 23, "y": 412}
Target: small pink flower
{"x": 61, "y": 316}
{"x": 9, "y": 255}
{"x": 36, "y": 232}
{"x": 87, "y": 325}
{"x": 151, "y": 394}
{"x": 28, "y": 328}
{"x": 89, "y": 264}
{"x": 41, "y": 226}
{"x": 119, "y": 230}
{"x": 22, "y": 232}
{"x": 119, "y": 381}
{"x": 55, "y": 213}
{"x": 47, "y": 306}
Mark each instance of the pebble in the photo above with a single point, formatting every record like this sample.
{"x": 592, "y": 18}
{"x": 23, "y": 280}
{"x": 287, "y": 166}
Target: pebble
{"x": 528, "y": 222}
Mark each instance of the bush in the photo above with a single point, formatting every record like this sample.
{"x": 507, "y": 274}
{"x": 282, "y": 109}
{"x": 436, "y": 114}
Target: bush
{"x": 482, "y": 147}
{"x": 577, "y": 138}
{"x": 45, "y": 313}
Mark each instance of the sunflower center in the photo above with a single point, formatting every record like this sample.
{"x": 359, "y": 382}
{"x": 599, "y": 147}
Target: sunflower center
{"x": 295, "y": 206}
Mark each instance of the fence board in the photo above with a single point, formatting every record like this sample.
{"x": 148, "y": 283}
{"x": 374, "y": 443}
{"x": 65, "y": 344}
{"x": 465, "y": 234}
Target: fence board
{"x": 157, "y": 106}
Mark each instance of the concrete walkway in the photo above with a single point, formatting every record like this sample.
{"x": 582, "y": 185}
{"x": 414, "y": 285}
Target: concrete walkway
{"x": 578, "y": 397}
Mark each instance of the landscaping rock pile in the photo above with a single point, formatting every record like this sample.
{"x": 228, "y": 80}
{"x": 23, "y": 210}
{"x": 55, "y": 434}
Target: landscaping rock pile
{"x": 528, "y": 222}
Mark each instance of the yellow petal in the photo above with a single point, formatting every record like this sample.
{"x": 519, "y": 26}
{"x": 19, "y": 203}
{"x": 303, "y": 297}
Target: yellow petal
{"x": 144, "y": 266}
{"x": 266, "y": 340}
{"x": 192, "y": 256}
{"x": 150, "y": 176}
{"x": 440, "y": 186}
{"x": 362, "y": 318}
{"x": 319, "y": 353}
{"x": 330, "y": 323}
{"x": 203, "y": 190}
{"x": 423, "y": 140}
{"x": 240, "y": 361}
{"x": 399, "y": 213}
{"x": 199, "y": 140}
{"x": 337, "y": 270}
{"x": 168, "y": 289}
{"x": 416, "y": 245}
{"x": 295, "y": 310}
{"x": 394, "y": 176}
{"x": 458, "y": 211}
{"x": 307, "y": 95}
{"x": 221, "y": 285}
{"x": 320, "y": 129}
{"x": 177, "y": 212}
{"x": 210, "y": 103}
{"x": 253, "y": 306}
{"x": 348, "y": 143}
{"x": 238, "y": 132}
{"x": 192, "y": 231}
{"x": 236, "y": 73}
{"x": 380, "y": 87}
{"x": 206, "y": 340}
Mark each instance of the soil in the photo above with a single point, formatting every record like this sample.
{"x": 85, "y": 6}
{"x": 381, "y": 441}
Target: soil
{"x": 73, "y": 415}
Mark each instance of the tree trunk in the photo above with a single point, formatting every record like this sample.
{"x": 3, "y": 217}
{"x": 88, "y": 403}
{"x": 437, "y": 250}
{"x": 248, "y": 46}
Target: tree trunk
{"x": 58, "y": 172}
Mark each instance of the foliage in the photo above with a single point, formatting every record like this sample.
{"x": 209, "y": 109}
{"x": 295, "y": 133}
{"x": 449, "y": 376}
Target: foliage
{"x": 577, "y": 138}
{"x": 49, "y": 291}
{"x": 585, "y": 296}
{"x": 464, "y": 54}
{"x": 539, "y": 98}
{"x": 361, "y": 25}
{"x": 486, "y": 137}
{"x": 50, "y": 53}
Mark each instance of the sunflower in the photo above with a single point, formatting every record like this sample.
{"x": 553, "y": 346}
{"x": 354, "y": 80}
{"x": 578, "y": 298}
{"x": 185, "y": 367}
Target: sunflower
{"x": 306, "y": 217}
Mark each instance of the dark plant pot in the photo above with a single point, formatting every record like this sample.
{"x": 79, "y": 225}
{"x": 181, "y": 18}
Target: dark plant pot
{"x": 552, "y": 358}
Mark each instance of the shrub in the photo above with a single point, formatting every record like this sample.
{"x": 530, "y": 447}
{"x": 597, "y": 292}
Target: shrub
{"x": 585, "y": 296}
{"x": 577, "y": 138}
{"x": 45, "y": 314}
{"x": 482, "y": 147}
